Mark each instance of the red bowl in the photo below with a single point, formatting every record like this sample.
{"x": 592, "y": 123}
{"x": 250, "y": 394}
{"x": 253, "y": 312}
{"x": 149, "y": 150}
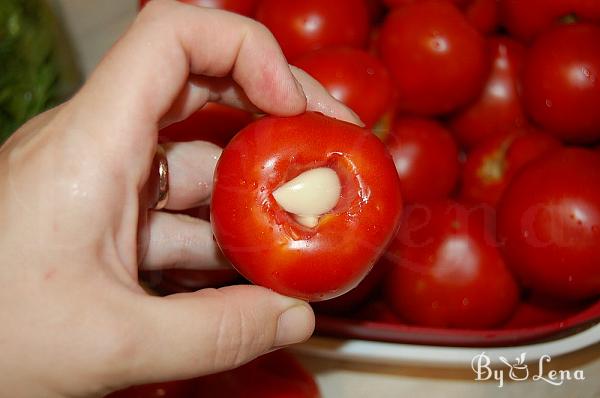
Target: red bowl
{"x": 536, "y": 320}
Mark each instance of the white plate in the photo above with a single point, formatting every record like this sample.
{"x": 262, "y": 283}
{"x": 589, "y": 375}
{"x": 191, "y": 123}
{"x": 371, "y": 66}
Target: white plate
{"x": 435, "y": 356}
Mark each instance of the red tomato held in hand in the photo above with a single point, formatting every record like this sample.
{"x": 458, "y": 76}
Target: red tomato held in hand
{"x": 549, "y": 219}
{"x": 499, "y": 107}
{"x": 438, "y": 60}
{"x": 302, "y": 26}
{"x": 490, "y": 166}
{"x": 447, "y": 271}
{"x": 525, "y": 19}
{"x": 243, "y": 7}
{"x": 355, "y": 297}
{"x": 561, "y": 82}
{"x": 279, "y": 249}
{"x": 426, "y": 158}
{"x": 274, "y": 375}
{"x": 213, "y": 122}
{"x": 353, "y": 77}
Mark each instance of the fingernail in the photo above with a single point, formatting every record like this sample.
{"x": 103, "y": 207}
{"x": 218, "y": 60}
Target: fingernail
{"x": 295, "y": 325}
{"x": 360, "y": 122}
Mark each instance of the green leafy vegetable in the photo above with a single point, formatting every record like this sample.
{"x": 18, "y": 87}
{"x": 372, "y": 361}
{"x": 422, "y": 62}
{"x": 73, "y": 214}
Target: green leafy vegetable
{"x": 36, "y": 67}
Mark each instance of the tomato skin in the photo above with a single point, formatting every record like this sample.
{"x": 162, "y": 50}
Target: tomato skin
{"x": 438, "y": 61}
{"x": 353, "y": 77}
{"x": 549, "y": 221}
{"x": 264, "y": 242}
{"x": 350, "y": 301}
{"x": 213, "y": 122}
{"x": 484, "y": 15}
{"x": 376, "y": 10}
{"x": 243, "y": 7}
{"x": 447, "y": 270}
{"x": 491, "y": 165}
{"x": 538, "y": 310}
{"x": 561, "y": 82}
{"x": 302, "y": 26}
{"x": 274, "y": 375}
{"x": 499, "y": 107}
{"x": 378, "y": 311}
{"x": 426, "y": 158}
{"x": 399, "y": 3}
{"x": 525, "y": 19}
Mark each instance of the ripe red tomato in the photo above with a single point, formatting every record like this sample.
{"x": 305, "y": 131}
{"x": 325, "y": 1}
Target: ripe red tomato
{"x": 355, "y": 297}
{"x": 549, "y": 219}
{"x": 213, "y": 122}
{"x": 447, "y": 270}
{"x": 353, "y": 77}
{"x": 437, "y": 59}
{"x": 378, "y": 311}
{"x": 525, "y": 19}
{"x": 499, "y": 107}
{"x": 275, "y": 375}
{"x": 491, "y": 166}
{"x": 268, "y": 245}
{"x": 426, "y": 158}
{"x": 172, "y": 389}
{"x": 561, "y": 82}
{"x": 302, "y": 26}
{"x": 376, "y": 10}
{"x": 399, "y": 3}
{"x": 484, "y": 15}
{"x": 244, "y": 7}
{"x": 538, "y": 310}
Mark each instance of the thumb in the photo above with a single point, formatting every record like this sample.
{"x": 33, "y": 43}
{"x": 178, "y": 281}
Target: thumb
{"x": 192, "y": 334}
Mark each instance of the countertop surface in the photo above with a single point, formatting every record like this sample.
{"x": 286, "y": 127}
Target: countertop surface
{"x": 94, "y": 25}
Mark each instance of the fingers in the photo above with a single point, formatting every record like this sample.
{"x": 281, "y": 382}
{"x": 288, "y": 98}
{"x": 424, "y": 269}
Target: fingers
{"x": 211, "y": 330}
{"x": 173, "y": 58}
{"x": 142, "y": 76}
{"x": 180, "y": 241}
{"x": 319, "y": 100}
{"x": 191, "y": 169}
{"x": 201, "y": 89}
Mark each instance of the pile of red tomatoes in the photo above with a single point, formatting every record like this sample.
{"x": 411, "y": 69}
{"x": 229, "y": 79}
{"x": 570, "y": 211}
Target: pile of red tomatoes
{"x": 490, "y": 110}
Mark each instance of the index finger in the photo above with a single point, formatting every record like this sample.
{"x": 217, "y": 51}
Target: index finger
{"x": 141, "y": 76}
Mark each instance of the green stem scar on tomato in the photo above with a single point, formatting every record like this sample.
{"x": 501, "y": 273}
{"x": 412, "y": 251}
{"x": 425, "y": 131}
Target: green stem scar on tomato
{"x": 305, "y": 205}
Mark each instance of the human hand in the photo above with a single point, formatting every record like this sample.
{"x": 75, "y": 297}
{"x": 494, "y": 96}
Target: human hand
{"x": 74, "y": 208}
